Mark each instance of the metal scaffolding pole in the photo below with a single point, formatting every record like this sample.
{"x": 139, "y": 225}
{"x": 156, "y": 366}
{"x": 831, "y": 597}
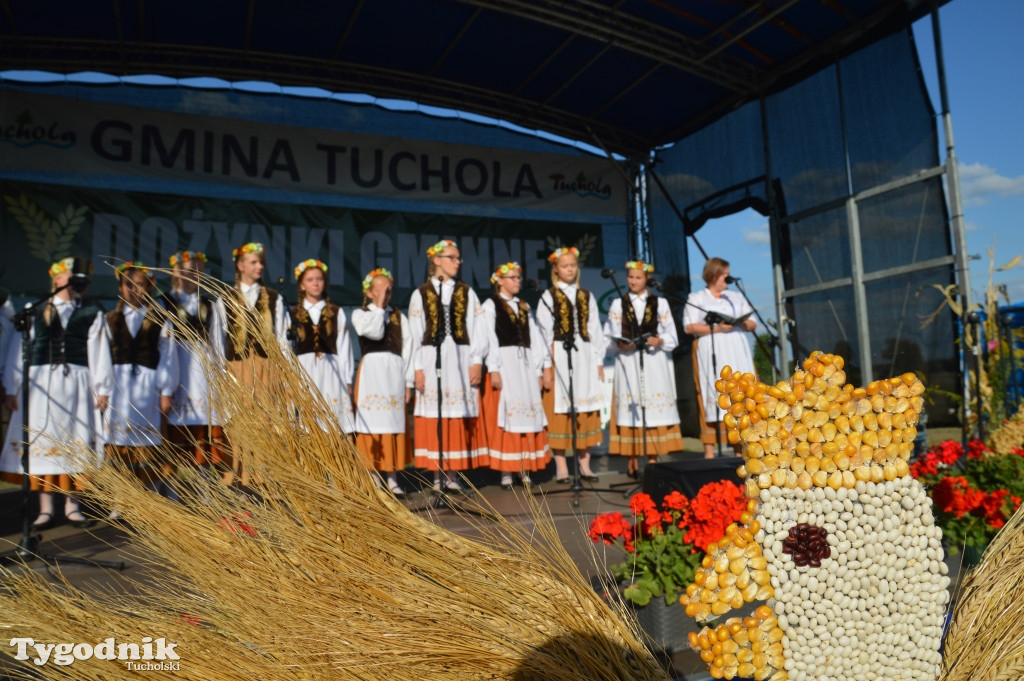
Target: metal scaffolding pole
{"x": 963, "y": 275}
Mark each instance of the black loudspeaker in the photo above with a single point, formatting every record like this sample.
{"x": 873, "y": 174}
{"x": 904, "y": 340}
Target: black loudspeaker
{"x": 688, "y": 476}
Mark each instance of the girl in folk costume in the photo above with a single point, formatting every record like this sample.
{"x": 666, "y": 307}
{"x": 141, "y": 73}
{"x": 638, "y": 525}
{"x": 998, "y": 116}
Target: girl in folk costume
{"x": 568, "y": 311}
{"x": 384, "y": 380}
{"x": 641, "y": 313}
{"x": 322, "y": 342}
{"x": 195, "y": 434}
{"x": 69, "y": 388}
{"x": 729, "y": 345}
{"x": 253, "y": 306}
{"x": 447, "y": 312}
{"x": 519, "y": 364}
{"x": 145, "y": 377}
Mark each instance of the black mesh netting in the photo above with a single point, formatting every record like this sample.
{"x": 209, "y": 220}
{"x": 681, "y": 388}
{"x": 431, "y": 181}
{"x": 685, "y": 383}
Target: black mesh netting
{"x": 862, "y": 122}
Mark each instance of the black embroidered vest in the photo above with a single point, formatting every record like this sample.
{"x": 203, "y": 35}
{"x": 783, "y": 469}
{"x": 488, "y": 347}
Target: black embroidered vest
{"x": 319, "y": 338}
{"x": 143, "y": 349}
{"x": 391, "y": 341}
{"x": 54, "y": 344}
{"x": 631, "y": 328}
{"x": 565, "y": 324}
{"x": 457, "y": 312}
{"x": 512, "y": 326}
{"x": 184, "y": 323}
{"x": 239, "y": 344}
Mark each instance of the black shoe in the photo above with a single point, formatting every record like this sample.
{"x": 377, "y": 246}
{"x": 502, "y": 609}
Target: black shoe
{"x": 43, "y": 521}
{"x": 562, "y": 481}
{"x": 589, "y": 478}
{"x": 635, "y": 475}
{"x": 508, "y": 488}
{"x": 80, "y": 522}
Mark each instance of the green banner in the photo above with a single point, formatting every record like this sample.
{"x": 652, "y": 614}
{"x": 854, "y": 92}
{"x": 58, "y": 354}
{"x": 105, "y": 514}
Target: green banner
{"x": 44, "y": 223}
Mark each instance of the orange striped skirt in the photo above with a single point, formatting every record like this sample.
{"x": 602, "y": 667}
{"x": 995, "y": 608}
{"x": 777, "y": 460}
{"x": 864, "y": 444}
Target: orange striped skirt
{"x": 388, "y": 452}
{"x": 510, "y": 452}
{"x": 462, "y": 439}
{"x": 588, "y": 427}
{"x": 49, "y": 483}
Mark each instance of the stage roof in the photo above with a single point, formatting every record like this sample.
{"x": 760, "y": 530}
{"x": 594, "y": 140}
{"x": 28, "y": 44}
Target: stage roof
{"x": 628, "y": 75}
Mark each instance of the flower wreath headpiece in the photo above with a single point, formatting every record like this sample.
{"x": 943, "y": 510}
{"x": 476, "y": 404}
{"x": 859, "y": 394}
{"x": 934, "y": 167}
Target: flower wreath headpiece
{"x": 505, "y": 270}
{"x": 306, "y": 264}
{"x": 440, "y": 246}
{"x": 251, "y": 247}
{"x": 640, "y": 265}
{"x": 131, "y": 265}
{"x": 187, "y": 256}
{"x": 64, "y": 266}
{"x": 559, "y": 252}
{"x": 379, "y": 272}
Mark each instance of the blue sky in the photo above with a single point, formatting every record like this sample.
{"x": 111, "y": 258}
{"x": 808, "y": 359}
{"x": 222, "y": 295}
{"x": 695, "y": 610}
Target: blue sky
{"x": 981, "y": 45}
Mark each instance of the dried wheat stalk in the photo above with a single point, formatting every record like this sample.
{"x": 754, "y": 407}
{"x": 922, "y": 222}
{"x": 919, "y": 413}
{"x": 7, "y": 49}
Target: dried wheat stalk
{"x": 323, "y": 575}
{"x": 986, "y": 636}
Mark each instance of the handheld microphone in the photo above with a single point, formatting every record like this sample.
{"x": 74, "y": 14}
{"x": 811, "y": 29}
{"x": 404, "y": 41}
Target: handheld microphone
{"x": 80, "y": 272}
{"x": 607, "y": 274}
{"x": 731, "y": 280}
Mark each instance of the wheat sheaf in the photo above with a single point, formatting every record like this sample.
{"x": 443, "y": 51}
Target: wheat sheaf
{"x": 315, "y": 573}
{"x": 49, "y": 239}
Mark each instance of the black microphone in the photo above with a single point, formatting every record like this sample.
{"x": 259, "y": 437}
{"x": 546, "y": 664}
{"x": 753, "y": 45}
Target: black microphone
{"x": 607, "y": 274}
{"x": 731, "y": 280}
{"x": 530, "y": 284}
{"x": 80, "y": 271}
{"x": 654, "y": 283}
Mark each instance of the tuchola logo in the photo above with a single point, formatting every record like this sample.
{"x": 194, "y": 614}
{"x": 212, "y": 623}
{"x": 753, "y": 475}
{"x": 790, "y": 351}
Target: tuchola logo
{"x": 26, "y": 132}
{"x": 582, "y": 186}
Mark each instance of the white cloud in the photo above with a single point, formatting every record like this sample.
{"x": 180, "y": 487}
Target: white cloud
{"x": 979, "y": 182}
{"x": 757, "y": 235}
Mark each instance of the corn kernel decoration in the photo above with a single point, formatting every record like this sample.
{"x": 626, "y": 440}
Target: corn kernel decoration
{"x": 839, "y": 541}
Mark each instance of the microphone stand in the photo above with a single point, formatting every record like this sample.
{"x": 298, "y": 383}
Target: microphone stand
{"x": 291, "y": 334}
{"x": 640, "y": 341}
{"x": 712, "y": 318}
{"x": 441, "y": 498}
{"x": 29, "y": 544}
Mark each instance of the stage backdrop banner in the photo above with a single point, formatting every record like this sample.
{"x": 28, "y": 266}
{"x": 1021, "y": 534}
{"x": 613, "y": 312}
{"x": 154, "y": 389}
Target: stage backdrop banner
{"x": 40, "y": 224}
{"x": 43, "y": 133}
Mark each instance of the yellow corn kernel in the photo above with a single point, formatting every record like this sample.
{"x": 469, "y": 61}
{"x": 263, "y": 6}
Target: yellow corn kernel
{"x": 719, "y": 608}
{"x": 889, "y": 472}
{"x": 749, "y": 592}
{"x": 835, "y": 480}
